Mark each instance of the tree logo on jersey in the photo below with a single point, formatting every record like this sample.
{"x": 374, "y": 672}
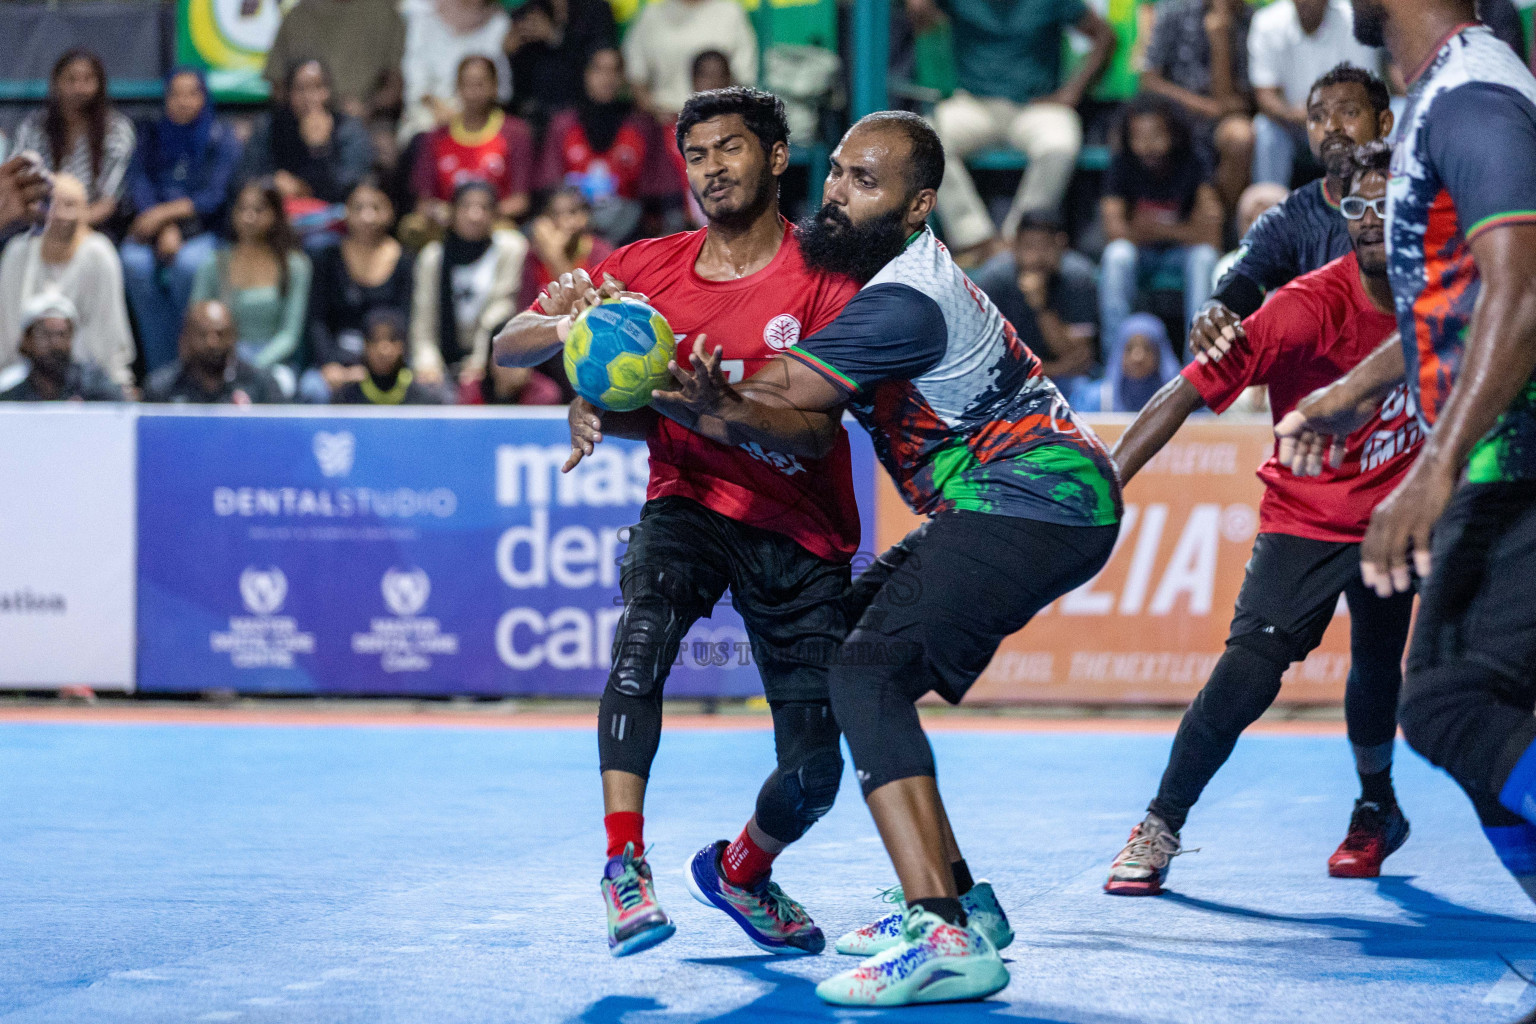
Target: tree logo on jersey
{"x": 782, "y": 332}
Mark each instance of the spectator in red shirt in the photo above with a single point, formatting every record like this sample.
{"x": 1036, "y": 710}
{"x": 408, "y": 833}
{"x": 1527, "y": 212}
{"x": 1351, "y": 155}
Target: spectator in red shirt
{"x": 561, "y": 240}
{"x": 480, "y": 143}
{"x": 609, "y": 149}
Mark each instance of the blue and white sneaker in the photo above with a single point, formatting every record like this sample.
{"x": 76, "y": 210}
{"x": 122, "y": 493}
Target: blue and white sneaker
{"x": 934, "y": 962}
{"x": 981, "y": 907}
{"x": 772, "y": 920}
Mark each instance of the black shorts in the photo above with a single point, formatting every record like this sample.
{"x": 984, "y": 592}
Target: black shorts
{"x": 937, "y": 605}
{"x": 791, "y": 601}
{"x": 1479, "y": 604}
{"x": 1292, "y": 589}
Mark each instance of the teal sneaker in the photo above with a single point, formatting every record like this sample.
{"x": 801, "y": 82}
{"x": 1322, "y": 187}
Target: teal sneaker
{"x": 981, "y": 907}
{"x": 772, "y": 920}
{"x": 635, "y": 920}
{"x": 934, "y": 962}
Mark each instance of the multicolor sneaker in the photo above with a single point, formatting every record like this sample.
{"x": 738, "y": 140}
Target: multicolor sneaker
{"x": 1375, "y": 833}
{"x": 933, "y": 962}
{"x": 635, "y": 920}
{"x": 1142, "y": 867}
{"x": 772, "y": 920}
{"x": 981, "y": 907}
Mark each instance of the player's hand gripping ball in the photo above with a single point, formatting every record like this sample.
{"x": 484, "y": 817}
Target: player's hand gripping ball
{"x": 617, "y": 352}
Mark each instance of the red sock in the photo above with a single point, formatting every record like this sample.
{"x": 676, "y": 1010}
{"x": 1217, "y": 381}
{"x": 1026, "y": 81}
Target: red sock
{"x": 625, "y": 827}
{"x": 744, "y": 863}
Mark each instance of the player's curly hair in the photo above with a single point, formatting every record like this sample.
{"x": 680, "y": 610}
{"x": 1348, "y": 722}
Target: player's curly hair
{"x": 1372, "y": 158}
{"x": 1346, "y": 74}
{"x": 762, "y": 111}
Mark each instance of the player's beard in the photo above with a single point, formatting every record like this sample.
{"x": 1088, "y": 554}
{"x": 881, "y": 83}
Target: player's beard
{"x": 746, "y": 214}
{"x": 1370, "y": 22}
{"x": 830, "y": 241}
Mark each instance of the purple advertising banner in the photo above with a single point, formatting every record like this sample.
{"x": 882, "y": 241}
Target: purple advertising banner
{"x": 422, "y": 552}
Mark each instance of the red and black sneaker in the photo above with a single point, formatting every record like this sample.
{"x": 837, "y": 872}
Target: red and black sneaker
{"x": 1375, "y": 833}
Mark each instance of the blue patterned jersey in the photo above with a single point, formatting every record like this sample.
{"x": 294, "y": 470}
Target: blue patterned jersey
{"x": 958, "y": 409}
{"x": 1465, "y": 163}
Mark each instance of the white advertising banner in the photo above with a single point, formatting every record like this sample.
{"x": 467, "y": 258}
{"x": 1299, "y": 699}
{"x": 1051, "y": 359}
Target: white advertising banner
{"x": 67, "y": 547}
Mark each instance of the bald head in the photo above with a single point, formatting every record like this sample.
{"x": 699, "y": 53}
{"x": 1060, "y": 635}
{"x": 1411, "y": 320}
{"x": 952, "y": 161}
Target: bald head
{"x": 208, "y": 336}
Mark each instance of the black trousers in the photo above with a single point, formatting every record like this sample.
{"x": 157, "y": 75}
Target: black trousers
{"x": 931, "y": 613}
{"x": 1471, "y": 684}
{"x": 1288, "y": 598}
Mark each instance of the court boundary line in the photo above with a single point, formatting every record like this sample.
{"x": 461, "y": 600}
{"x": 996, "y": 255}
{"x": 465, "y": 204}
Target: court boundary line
{"x": 526, "y": 720}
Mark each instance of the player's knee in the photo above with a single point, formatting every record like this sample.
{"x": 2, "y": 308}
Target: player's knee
{"x": 1431, "y": 705}
{"x": 1234, "y": 136}
{"x": 646, "y": 638}
{"x": 800, "y": 793}
{"x": 1245, "y": 682}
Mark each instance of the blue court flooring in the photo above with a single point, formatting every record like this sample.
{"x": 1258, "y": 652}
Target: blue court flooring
{"x": 170, "y": 872}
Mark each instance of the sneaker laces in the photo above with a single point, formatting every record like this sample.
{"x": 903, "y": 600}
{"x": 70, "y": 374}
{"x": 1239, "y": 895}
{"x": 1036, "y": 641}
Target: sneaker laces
{"x": 913, "y": 924}
{"x": 891, "y": 895}
{"x": 1366, "y": 825}
{"x": 778, "y": 903}
{"x": 629, "y": 887}
{"x": 1146, "y": 841}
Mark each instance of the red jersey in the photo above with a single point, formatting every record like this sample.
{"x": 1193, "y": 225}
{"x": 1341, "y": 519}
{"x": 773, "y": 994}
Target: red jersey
{"x": 1308, "y": 335}
{"x": 501, "y": 154}
{"x": 569, "y": 158}
{"x": 753, "y": 319}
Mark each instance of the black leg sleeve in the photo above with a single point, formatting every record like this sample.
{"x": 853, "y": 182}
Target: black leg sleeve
{"x": 804, "y": 785}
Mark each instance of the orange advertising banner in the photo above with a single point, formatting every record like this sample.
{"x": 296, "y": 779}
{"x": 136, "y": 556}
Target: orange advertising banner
{"x": 1150, "y": 627}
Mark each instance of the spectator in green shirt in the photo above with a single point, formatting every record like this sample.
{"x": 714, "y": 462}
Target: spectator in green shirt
{"x": 1008, "y": 58}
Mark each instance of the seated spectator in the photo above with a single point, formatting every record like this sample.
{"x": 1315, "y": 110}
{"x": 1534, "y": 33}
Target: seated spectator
{"x": 465, "y": 288}
{"x": 711, "y": 71}
{"x": 512, "y": 385}
{"x": 438, "y": 38}
{"x": 79, "y": 133}
{"x": 1160, "y": 212}
{"x": 72, "y": 260}
{"x": 386, "y": 380}
{"x": 1008, "y": 60}
{"x": 53, "y": 374}
{"x": 209, "y": 369}
{"x": 478, "y": 142}
{"x": 1256, "y": 201}
{"x": 547, "y": 39}
{"x": 1198, "y": 59}
{"x": 560, "y": 241}
{"x": 263, "y": 280}
{"x": 1049, "y": 294}
{"x": 366, "y": 272}
{"x": 1291, "y": 44}
{"x": 664, "y": 38}
{"x": 362, "y": 41}
{"x": 178, "y": 185}
{"x": 310, "y": 149}
{"x": 610, "y": 149}
{"x": 1141, "y": 360}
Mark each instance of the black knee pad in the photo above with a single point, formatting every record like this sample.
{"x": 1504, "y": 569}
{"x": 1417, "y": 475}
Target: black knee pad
{"x": 804, "y": 785}
{"x": 1244, "y": 683}
{"x": 658, "y": 610}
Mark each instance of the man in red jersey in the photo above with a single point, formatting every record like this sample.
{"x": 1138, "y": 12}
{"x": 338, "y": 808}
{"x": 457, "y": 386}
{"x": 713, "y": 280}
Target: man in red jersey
{"x": 1308, "y": 549}
{"x": 779, "y": 531}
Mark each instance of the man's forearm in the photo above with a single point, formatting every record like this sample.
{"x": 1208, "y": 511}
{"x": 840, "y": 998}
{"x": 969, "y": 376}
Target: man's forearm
{"x": 780, "y": 428}
{"x": 528, "y": 339}
{"x": 1155, "y": 426}
{"x": 631, "y": 426}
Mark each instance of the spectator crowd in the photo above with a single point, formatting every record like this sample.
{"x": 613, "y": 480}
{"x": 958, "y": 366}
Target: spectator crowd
{"x": 426, "y": 167}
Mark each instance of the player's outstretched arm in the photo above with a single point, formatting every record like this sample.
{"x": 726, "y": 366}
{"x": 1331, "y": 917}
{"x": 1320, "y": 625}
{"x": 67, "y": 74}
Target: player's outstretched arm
{"x": 589, "y": 425}
{"x": 1314, "y": 432}
{"x": 785, "y": 406}
{"x": 535, "y": 335}
{"x": 1155, "y": 426}
{"x": 1496, "y": 367}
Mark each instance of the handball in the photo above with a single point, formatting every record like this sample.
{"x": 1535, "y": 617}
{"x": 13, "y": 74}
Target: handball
{"x": 617, "y": 352}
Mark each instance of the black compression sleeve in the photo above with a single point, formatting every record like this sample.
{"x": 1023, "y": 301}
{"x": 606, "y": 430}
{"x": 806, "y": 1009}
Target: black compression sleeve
{"x": 1240, "y": 294}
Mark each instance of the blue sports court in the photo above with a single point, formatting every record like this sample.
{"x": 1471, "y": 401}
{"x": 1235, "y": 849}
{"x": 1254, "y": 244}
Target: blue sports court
{"x": 256, "y": 871}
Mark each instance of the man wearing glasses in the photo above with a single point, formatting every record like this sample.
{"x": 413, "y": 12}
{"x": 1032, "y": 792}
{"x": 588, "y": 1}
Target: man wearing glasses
{"x": 1308, "y": 549}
